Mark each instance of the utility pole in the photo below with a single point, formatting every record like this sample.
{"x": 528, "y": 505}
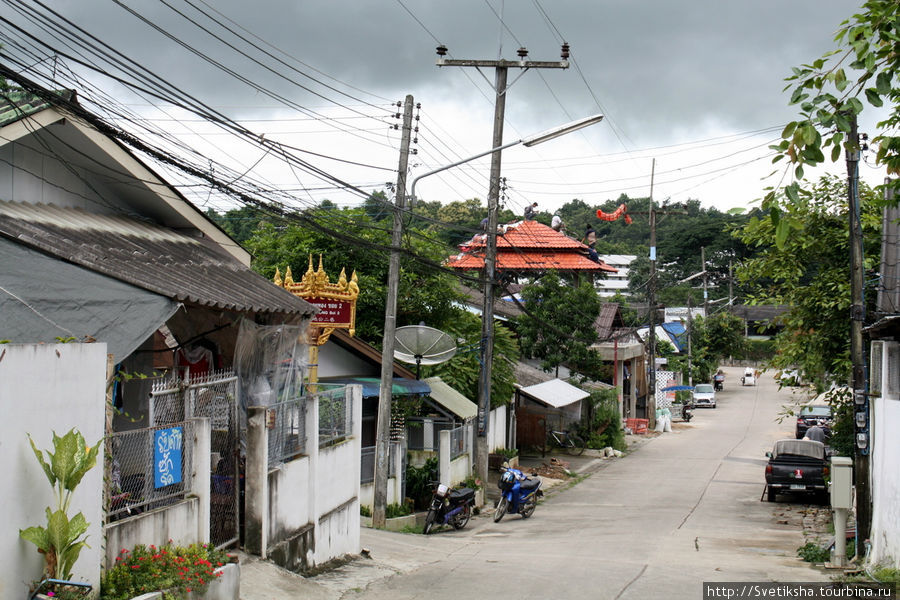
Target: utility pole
{"x": 501, "y": 68}
{"x": 383, "y": 424}
{"x": 651, "y": 400}
{"x": 705, "y": 281}
{"x": 690, "y": 326}
{"x": 857, "y": 349}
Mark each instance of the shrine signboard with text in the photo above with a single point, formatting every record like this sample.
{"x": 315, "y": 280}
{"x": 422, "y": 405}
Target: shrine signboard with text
{"x": 336, "y": 301}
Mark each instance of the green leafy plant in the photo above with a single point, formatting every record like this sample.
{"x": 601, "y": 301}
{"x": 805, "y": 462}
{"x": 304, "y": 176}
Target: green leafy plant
{"x": 470, "y": 482}
{"x": 507, "y": 453}
{"x": 173, "y": 570}
{"x": 61, "y": 540}
{"x": 605, "y": 426}
{"x": 418, "y": 482}
{"x": 397, "y": 510}
{"x": 813, "y": 553}
{"x": 365, "y": 511}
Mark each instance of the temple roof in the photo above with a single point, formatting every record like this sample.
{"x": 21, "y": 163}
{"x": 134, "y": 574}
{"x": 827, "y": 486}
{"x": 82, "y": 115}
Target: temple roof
{"x": 529, "y": 245}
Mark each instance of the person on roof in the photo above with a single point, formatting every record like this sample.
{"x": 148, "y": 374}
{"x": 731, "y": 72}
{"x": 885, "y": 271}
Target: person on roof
{"x": 557, "y": 223}
{"x": 590, "y": 238}
{"x": 530, "y": 211}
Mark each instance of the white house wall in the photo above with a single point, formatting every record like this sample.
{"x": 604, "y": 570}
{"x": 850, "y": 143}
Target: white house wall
{"x": 885, "y": 474}
{"x": 46, "y": 388}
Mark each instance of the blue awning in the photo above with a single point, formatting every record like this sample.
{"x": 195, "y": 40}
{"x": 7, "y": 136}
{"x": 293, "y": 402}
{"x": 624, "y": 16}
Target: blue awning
{"x": 372, "y": 386}
{"x": 678, "y": 388}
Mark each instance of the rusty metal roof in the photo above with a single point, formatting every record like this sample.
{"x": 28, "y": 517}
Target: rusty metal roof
{"x": 147, "y": 256}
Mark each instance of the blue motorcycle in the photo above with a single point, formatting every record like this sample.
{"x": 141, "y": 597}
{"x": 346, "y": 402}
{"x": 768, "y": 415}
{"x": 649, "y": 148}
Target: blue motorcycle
{"x": 519, "y": 493}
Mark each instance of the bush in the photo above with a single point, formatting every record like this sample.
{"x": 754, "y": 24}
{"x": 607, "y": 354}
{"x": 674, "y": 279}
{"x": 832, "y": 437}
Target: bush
{"x": 813, "y": 553}
{"x": 507, "y": 453}
{"x": 396, "y": 510}
{"x": 606, "y": 420}
{"x": 365, "y": 511}
{"x": 175, "y": 570}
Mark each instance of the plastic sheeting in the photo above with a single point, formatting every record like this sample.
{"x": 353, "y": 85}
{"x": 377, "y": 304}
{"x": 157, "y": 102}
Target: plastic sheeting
{"x": 43, "y": 298}
{"x": 270, "y": 362}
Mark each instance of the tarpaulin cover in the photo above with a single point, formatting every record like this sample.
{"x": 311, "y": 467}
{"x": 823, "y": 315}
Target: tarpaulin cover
{"x": 372, "y": 386}
{"x": 43, "y": 298}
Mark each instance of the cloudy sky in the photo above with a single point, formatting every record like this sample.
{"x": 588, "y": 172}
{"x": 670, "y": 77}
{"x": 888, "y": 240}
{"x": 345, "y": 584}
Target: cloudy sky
{"x": 695, "y": 85}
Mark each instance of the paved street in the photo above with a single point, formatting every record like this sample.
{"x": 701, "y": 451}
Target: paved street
{"x": 682, "y": 509}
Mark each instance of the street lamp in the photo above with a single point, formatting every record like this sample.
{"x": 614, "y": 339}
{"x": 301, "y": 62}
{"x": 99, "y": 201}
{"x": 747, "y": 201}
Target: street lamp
{"x": 533, "y": 140}
{"x": 487, "y": 314}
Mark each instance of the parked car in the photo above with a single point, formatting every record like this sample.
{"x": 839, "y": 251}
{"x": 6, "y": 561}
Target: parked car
{"x": 814, "y": 414}
{"x": 704, "y": 395}
{"x": 796, "y": 467}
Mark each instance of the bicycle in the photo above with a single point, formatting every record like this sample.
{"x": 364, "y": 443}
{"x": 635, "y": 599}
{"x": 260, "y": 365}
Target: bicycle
{"x": 570, "y": 442}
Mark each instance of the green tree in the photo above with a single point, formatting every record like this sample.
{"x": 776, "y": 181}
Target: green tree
{"x": 862, "y": 70}
{"x": 558, "y": 326}
{"x": 807, "y": 271}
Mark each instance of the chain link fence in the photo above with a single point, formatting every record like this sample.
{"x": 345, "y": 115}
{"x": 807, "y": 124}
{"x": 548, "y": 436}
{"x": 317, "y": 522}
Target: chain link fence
{"x": 149, "y": 468}
{"x": 287, "y": 430}
{"x": 335, "y": 415}
{"x": 367, "y": 464}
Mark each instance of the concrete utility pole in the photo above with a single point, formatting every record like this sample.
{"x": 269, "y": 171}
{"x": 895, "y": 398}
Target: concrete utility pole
{"x": 690, "y": 327}
{"x": 501, "y": 68}
{"x": 383, "y": 424}
{"x": 651, "y": 400}
{"x": 705, "y": 281}
{"x": 857, "y": 348}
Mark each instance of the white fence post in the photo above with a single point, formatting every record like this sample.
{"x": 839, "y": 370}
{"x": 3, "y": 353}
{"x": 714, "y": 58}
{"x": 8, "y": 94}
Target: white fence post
{"x": 256, "y": 493}
{"x": 200, "y": 473}
{"x": 444, "y": 457}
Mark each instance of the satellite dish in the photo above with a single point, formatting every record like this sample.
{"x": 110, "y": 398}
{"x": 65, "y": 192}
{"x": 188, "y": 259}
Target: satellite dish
{"x": 423, "y": 345}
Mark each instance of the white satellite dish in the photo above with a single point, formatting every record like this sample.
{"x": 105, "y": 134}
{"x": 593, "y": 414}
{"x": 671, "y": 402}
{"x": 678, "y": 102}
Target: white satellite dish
{"x": 423, "y": 345}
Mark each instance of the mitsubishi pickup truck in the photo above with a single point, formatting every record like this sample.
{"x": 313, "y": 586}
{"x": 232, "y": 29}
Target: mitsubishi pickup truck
{"x": 797, "y": 467}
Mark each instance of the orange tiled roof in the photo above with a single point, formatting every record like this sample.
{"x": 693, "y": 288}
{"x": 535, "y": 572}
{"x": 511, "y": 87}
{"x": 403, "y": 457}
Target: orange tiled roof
{"x": 519, "y": 260}
{"x": 529, "y": 246}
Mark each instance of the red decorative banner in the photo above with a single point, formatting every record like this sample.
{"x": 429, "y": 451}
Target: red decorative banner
{"x": 622, "y": 210}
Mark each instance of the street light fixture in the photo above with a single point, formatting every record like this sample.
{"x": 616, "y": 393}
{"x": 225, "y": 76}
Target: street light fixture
{"x": 533, "y": 140}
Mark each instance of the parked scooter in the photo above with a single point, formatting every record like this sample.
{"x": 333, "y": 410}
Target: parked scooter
{"x": 519, "y": 493}
{"x": 687, "y": 411}
{"x": 449, "y": 506}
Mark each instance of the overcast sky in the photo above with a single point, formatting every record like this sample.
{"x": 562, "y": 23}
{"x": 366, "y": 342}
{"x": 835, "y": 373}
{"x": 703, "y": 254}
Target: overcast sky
{"x": 697, "y": 85}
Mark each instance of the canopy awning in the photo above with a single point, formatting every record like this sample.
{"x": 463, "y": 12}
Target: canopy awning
{"x": 678, "y": 388}
{"x": 451, "y": 399}
{"x": 555, "y": 393}
{"x": 372, "y": 386}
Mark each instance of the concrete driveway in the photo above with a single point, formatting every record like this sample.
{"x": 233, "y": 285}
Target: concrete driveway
{"x": 683, "y": 508}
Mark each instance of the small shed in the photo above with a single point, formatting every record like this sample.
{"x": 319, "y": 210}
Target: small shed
{"x": 559, "y": 402}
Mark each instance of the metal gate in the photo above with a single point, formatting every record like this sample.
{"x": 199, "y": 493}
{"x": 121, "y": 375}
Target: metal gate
{"x": 214, "y": 396}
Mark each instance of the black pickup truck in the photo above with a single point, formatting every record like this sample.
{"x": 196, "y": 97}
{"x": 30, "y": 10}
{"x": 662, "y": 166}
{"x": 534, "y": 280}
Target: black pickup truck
{"x": 797, "y": 467}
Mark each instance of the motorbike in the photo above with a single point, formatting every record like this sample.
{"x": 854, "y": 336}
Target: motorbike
{"x": 519, "y": 493}
{"x": 687, "y": 411}
{"x": 718, "y": 382}
{"x": 449, "y": 506}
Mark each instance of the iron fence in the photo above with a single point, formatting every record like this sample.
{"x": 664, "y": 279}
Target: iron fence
{"x": 149, "y": 468}
{"x": 286, "y": 422}
{"x": 418, "y": 437}
{"x": 335, "y": 415}
{"x": 367, "y": 463}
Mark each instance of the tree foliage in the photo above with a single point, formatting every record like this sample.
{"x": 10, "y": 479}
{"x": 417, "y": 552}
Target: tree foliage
{"x": 862, "y": 70}
{"x": 558, "y": 327}
{"x": 808, "y": 271}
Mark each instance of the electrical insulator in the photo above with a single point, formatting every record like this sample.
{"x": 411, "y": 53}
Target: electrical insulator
{"x": 415, "y": 140}
{"x": 565, "y": 51}
{"x": 522, "y": 52}
{"x": 441, "y": 50}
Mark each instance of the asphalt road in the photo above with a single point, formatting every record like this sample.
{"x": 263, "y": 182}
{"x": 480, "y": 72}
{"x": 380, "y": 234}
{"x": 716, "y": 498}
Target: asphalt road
{"x": 682, "y": 509}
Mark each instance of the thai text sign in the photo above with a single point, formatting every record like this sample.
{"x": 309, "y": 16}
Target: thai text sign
{"x": 167, "y": 447}
{"x": 332, "y": 313}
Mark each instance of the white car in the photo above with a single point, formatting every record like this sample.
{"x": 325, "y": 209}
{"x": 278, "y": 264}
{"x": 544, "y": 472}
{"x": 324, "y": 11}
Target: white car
{"x": 704, "y": 395}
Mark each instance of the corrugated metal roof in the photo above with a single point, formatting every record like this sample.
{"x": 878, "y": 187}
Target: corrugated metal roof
{"x": 451, "y": 399}
{"x": 556, "y": 393}
{"x": 147, "y": 256}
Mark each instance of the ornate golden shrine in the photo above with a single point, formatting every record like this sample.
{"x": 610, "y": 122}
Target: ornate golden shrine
{"x": 336, "y": 301}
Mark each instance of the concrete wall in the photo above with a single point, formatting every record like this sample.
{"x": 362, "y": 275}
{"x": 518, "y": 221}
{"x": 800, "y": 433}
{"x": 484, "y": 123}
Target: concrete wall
{"x": 304, "y": 513}
{"x": 46, "y": 388}
{"x": 885, "y": 476}
{"x": 499, "y": 417}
